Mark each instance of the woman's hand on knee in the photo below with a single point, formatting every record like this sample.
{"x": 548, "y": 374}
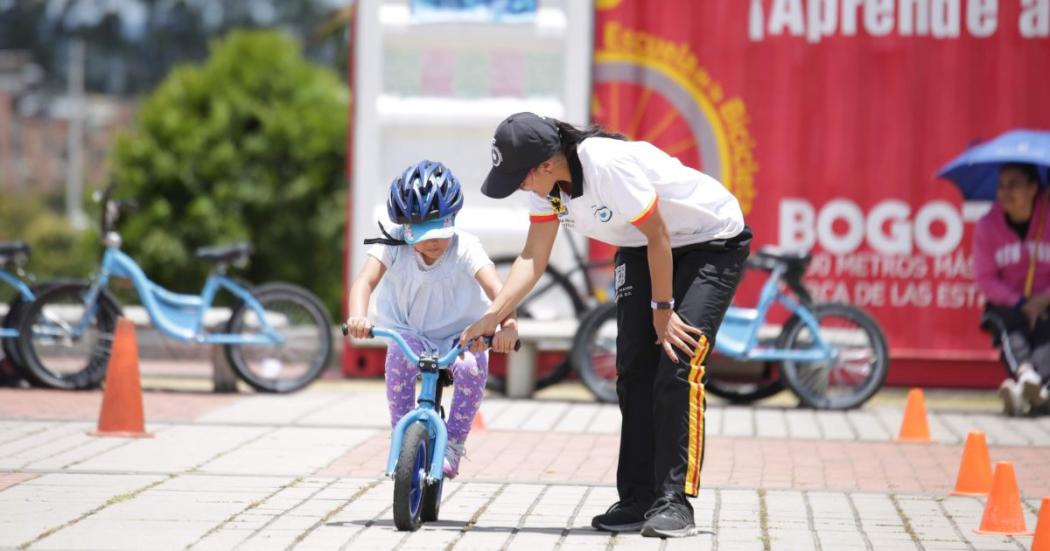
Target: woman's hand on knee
{"x": 673, "y": 333}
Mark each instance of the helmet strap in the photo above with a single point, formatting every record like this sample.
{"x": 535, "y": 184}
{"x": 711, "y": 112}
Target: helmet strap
{"x": 387, "y": 239}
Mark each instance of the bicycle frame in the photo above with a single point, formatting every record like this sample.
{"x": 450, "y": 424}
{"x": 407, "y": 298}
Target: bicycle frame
{"x": 426, "y": 410}
{"x": 23, "y": 290}
{"x": 738, "y": 334}
{"x": 178, "y": 316}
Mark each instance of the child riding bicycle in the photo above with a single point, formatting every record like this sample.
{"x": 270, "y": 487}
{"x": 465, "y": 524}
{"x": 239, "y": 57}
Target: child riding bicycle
{"x": 439, "y": 280}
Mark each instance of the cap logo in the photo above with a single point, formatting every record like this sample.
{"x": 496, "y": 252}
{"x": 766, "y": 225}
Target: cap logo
{"x": 497, "y": 156}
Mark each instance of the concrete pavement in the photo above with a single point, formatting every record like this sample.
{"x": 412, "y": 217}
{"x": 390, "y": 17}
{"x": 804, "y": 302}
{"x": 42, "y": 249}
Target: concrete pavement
{"x": 305, "y": 472}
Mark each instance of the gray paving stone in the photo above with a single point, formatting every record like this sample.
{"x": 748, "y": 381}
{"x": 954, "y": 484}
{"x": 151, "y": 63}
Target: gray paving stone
{"x": 32, "y": 508}
{"x": 171, "y": 451}
{"x": 289, "y": 451}
{"x": 273, "y": 410}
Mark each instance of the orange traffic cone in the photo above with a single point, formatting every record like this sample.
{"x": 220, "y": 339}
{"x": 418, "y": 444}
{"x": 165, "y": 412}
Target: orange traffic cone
{"x": 1002, "y": 513}
{"x": 478, "y": 423}
{"x": 975, "y": 469}
{"x": 914, "y": 427}
{"x": 1041, "y": 541}
{"x": 122, "y": 400}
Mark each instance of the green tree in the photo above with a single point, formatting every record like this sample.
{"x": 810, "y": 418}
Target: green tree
{"x": 249, "y": 146}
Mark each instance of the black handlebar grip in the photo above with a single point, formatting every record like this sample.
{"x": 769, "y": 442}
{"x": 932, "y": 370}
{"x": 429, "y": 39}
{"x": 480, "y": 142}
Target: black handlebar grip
{"x": 346, "y": 331}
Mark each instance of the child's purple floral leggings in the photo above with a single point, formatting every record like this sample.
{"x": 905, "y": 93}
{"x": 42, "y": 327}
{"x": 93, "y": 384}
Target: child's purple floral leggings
{"x": 468, "y": 374}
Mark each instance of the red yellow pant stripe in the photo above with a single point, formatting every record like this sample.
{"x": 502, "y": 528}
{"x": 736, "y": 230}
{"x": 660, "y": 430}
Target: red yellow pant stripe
{"x": 696, "y": 417}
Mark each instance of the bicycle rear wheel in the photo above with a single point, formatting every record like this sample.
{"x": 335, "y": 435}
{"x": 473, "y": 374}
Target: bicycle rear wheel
{"x": 553, "y": 297}
{"x": 594, "y": 352}
{"x": 64, "y": 342}
{"x": 847, "y": 380}
{"x": 410, "y": 477}
{"x": 756, "y": 386}
{"x": 305, "y": 327}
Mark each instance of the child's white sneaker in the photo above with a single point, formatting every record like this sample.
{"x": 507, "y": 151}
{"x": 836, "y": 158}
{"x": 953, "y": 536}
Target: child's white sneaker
{"x": 1010, "y": 394}
{"x": 454, "y": 451}
{"x": 1032, "y": 387}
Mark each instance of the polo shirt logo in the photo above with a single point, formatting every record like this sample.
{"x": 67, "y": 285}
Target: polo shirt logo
{"x": 556, "y": 205}
{"x": 603, "y": 214}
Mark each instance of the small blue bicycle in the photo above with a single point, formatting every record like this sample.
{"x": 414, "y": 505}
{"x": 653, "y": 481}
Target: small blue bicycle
{"x": 831, "y": 355}
{"x": 417, "y": 450}
{"x": 277, "y": 337}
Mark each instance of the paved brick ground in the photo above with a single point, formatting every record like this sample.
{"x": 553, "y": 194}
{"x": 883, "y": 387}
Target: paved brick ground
{"x": 729, "y": 462}
{"x": 304, "y": 471}
{"x": 57, "y": 404}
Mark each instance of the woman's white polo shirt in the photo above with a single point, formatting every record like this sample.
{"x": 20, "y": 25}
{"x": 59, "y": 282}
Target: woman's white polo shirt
{"x": 624, "y": 182}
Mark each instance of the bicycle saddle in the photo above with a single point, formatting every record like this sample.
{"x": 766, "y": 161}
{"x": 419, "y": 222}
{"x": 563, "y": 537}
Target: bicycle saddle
{"x": 768, "y": 258}
{"x": 15, "y": 250}
{"x": 224, "y": 254}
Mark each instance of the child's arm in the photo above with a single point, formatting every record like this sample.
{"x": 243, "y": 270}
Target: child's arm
{"x": 503, "y": 340}
{"x": 360, "y": 293}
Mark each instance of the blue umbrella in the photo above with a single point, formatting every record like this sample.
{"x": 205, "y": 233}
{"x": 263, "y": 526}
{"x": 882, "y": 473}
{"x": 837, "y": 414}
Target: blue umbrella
{"x": 976, "y": 171}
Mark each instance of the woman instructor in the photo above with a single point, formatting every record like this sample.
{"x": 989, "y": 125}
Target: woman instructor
{"x": 682, "y": 246}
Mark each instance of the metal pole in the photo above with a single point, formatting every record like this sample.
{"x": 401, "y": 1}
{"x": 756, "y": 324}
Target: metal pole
{"x": 75, "y": 136}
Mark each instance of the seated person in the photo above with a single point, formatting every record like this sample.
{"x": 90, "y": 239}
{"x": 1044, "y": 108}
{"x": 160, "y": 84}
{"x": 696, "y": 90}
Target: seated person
{"x": 1011, "y": 258}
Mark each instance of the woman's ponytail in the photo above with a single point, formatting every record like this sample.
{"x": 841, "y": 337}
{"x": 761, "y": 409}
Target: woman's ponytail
{"x": 571, "y": 136}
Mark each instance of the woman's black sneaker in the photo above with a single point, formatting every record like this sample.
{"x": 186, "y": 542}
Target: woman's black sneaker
{"x": 671, "y": 516}
{"x": 622, "y": 516}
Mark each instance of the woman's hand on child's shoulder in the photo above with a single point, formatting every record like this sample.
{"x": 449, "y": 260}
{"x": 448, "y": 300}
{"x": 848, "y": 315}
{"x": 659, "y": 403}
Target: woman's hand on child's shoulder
{"x": 504, "y": 339}
{"x": 359, "y": 327}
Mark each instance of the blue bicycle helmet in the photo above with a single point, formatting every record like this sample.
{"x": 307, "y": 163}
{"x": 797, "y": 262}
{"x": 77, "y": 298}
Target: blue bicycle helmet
{"x": 425, "y": 191}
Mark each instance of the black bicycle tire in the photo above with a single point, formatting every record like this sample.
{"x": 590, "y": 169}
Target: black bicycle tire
{"x": 10, "y": 345}
{"x": 430, "y": 508}
{"x": 320, "y": 363}
{"x": 761, "y": 392}
{"x": 15, "y": 309}
{"x": 562, "y": 370}
{"x": 580, "y": 355}
{"x": 878, "y": 338}
{"x": 92, "y": 375}
{"x": 416, "y": 436}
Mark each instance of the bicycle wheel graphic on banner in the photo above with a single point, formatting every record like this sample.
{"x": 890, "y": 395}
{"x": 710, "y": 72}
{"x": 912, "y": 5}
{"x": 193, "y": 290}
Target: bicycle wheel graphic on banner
{"x": 651, "y": 101}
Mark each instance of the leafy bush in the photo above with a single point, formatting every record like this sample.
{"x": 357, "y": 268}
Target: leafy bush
{"x": 58, "y": 251}
{"x": 249, "y": 146}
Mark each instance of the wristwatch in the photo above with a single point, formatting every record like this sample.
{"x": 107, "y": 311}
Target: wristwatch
{"x": 669, "y": 305}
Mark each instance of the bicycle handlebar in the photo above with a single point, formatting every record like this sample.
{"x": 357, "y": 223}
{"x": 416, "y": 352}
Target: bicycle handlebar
{"x": 411, "y": 355}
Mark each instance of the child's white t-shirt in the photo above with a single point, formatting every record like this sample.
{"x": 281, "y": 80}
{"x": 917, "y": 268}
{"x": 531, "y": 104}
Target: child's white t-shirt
{"x": 434, "y": 303}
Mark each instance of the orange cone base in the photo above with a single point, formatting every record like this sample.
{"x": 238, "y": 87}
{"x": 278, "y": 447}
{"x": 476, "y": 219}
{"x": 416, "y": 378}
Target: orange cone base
{"x": 121, "y": 434}
{"x": 992, "y": 533}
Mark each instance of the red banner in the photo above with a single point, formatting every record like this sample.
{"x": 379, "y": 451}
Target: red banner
{"x": 828, "y": 119}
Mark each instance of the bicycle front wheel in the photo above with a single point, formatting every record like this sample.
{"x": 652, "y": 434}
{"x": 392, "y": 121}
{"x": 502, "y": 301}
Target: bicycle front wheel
{"x": 410, "y": 477}
{"x": 305, "y": 328}
{"x": 853, "y": 375}
{"x": 553, "y": 297}
{"x": 64, "y": 341}
{"x": 594, "y": 352}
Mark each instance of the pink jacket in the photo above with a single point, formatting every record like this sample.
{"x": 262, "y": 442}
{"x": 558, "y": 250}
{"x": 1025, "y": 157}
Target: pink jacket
{"x": 1001, "y": 260}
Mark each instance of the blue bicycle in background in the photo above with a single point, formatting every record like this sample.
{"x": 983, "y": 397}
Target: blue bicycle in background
{"x": 417, "y": 450}
{"x": 831, "y": 355}
{"x": 277, "y": 337}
